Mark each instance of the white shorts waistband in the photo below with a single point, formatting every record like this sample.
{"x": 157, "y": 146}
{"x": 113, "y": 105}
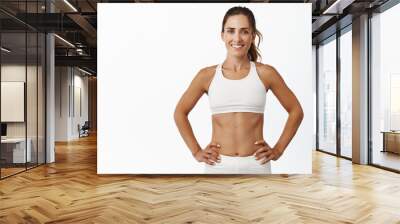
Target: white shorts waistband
{"x": 238, "y": 165}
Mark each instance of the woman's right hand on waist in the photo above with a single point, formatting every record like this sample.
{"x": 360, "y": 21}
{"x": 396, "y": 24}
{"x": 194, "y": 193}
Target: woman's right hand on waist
{"x": 209, "y": 155}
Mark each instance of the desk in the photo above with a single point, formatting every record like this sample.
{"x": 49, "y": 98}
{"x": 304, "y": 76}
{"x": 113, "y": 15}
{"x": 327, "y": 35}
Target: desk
{"x": 391, "y": 141}
{"x": 15, "y": 148}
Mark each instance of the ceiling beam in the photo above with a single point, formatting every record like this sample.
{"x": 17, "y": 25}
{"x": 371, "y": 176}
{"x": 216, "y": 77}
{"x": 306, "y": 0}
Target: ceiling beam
{"x": 337, "y": 7}
{"x": 83, "y": 61}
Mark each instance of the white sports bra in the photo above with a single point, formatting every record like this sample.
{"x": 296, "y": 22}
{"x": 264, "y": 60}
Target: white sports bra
{"x": 242, "y": 95}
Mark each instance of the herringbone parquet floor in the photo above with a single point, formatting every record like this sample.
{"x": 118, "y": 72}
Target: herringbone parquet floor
{"x": 70, "y": 191}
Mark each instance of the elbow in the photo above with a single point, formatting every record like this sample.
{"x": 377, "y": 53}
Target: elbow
{"x": 297, "y": 114}
{"x": 300, "y": 114}
{"x": 178, "y": 114}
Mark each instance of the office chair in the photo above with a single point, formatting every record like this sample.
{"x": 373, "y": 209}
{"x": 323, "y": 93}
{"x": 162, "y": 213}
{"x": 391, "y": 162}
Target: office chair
{"x": 84, "y": 130}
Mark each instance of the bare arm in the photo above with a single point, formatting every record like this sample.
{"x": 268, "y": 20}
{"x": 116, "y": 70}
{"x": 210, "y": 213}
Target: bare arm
{"x": 289, "y": 101}
{"x": 184, "y": 106}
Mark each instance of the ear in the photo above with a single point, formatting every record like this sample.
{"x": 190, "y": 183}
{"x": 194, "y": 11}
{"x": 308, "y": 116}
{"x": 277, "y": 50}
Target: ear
{"x": 222, "y": 36}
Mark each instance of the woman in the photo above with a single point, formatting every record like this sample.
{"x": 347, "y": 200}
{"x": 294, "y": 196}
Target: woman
{"x": 237, "y": 90}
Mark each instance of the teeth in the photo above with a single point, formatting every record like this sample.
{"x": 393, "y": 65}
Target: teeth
{"x": 237, "y": 46}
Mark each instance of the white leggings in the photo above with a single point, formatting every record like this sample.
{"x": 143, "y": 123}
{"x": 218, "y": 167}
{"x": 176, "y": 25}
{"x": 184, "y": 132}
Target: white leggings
{"x": 238, "y": 165}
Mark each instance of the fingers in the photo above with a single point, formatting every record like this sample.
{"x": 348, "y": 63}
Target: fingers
{"x": 262, "y": 150}
{"x": 212, "y": 156}
{"x": 264, "y": 145}
{"x": 206, "y": 159}
{"x": 211, "y": 153}
{"x": 263, "y": 154}
{"x": 214, "y": 146}
{"x": 213, "y": 150}
{"x": 266, "y": 159}
{"x": 260, "y": 142}
{"x": 211, "y": 161}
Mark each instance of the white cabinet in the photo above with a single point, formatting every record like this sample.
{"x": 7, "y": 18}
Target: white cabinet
{"x": 391, "y": 141}
{"x": 18, "y": 149}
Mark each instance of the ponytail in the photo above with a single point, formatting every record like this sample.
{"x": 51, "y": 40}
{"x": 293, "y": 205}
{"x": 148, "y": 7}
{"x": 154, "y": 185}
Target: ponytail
{"x": 254, "y": 52}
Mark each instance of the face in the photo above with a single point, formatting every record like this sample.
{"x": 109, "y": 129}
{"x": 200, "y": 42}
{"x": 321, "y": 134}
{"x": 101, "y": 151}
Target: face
{"x": 237, "y": 35}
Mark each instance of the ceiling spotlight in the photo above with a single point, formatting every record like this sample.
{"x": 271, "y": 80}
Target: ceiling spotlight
{"x": 5, "y": 50}
{"x": 84, "y": 71}
{"x": 64, "y": 40}
{"x": 70, "y": 5}
{"x": 337, "y": 7}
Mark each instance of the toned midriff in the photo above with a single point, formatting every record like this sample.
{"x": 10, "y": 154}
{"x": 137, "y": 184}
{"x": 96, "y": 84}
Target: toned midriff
{"x": 236, "y": 132}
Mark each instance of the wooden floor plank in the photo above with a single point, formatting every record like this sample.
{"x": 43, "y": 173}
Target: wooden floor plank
{"x": 70, "y": 191}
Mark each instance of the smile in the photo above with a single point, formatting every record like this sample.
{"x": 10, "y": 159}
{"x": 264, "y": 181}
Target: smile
{"x": 237, "y": 46}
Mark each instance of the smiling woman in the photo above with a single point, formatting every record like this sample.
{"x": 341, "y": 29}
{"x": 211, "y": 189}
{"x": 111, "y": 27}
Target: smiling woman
{"x": 205, "y": 75}
{"x": 240, "y": 22}
{"x": 237, "y": 90}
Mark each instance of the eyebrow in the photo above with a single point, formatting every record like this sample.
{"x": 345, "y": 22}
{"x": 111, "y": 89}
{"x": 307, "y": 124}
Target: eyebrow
{"x": 245, "y": 28}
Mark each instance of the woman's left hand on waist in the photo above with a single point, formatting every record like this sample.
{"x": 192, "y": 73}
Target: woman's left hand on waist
{"x": 265, "y": 153}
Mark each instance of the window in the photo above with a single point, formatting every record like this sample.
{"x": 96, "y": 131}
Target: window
{"x": 385, "y": 88}
{"x": 327, "y": 96}
{"x": 346, "y": 94}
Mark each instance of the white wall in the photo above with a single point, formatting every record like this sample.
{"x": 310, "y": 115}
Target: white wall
{"x": 80, "y": 84}
{"x": 61, "y": 103}
{"x": 68, "y": 81}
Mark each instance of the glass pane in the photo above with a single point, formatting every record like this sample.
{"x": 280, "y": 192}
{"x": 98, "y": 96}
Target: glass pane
{"x": 31, "y": 84}
{"x": 386, "y": 89}
{"x": 31, "y": 100}
{"x": 41, "y": 98}
{"x": 13, "y": 86}
{"x": 327, "y": 97}
{"x": 22, "y": 88}
{"x": 314, "y": 70}
{"x": 346, "y": 94}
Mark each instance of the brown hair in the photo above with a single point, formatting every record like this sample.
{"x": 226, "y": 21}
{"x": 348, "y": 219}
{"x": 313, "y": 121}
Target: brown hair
{"x": 254, "y": 51}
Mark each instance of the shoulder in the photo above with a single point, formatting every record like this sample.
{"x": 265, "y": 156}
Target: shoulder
{"x": 265, "y": 69}
{"x": 204, "y": 77}
{"x": 267, "y": 73}
{"x": 206, "y": 74}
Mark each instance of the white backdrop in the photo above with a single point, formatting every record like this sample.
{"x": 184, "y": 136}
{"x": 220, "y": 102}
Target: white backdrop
{"x": 147, "y": 56}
